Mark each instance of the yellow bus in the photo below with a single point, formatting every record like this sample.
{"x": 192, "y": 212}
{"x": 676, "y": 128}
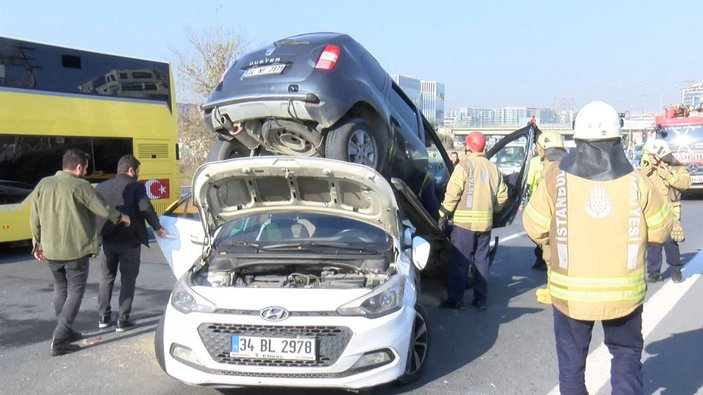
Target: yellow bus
{"x": 54, "y": 98}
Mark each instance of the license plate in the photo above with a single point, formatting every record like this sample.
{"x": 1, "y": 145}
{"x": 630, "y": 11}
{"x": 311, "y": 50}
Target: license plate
{"x": 696, "y": 179}
{"x": 300, "y": 348}
{"x": 264, "y": 70}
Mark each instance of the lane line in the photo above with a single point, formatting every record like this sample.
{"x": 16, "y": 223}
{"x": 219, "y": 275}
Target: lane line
{"x": 513, "y": 236}
{"x": 655, "y": 309}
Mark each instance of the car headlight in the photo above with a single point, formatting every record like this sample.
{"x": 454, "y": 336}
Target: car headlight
{"x": 384, "y": 300}
{"x": 185, "y": 300}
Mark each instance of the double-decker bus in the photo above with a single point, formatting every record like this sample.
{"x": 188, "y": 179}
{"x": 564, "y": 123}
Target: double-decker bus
{"x": 55, "y": 98}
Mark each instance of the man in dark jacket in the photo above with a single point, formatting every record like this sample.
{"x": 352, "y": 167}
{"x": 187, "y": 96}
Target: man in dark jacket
{"x": 62, "y": 219}
{"x": 122, "y": 246}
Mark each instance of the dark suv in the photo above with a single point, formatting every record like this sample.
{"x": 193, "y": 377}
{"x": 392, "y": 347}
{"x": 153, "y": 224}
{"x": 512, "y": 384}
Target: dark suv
{"x": 322, "y": 94}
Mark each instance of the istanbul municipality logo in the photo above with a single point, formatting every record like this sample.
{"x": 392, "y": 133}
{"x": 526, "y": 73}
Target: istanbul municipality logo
{"x": 598, "y": 204}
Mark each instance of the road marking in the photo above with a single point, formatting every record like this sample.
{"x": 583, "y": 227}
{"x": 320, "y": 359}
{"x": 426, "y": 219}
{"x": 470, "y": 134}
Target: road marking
{"x": 655, "y": 309}
{"x": 513, "y": 236}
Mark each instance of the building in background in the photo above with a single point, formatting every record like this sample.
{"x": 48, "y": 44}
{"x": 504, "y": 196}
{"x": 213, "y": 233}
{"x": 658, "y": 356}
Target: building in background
{"x": 692, "y": 95}
{"x": 432, "y": 104}
{"x": 410, "y": 86}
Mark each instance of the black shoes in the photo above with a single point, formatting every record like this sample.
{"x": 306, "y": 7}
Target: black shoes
{"x": 676, "y": 274}
{"x": 479, "y": 304}
{"x": 105, "y": 321}
{"x": 75, "y": 336}
{"x": 653, "y": 277}
{"x": 451, "y": 304}
{"x": 57, "y": 349}
{"x": 125, "y": 325}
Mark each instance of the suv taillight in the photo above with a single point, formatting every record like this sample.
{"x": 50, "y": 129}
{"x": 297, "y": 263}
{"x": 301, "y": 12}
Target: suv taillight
{"x": 328, "y": 57}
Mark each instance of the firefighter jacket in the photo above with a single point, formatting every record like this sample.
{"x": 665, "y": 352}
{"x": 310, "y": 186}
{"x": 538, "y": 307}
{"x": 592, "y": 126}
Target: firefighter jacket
{"x": 534, "y": 175}
{"x": 597, "y": 233}
{"x": 669, "y": 182}
{"x": 475, "y": 190}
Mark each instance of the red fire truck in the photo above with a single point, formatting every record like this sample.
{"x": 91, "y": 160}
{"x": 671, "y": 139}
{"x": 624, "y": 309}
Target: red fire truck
{"x": 682, "y": 128}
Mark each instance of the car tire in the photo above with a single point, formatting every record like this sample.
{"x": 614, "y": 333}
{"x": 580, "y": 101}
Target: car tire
{"x": 159, "y": 343}
{"x": 354, "y": 141}
{"x": 223, "y": 149}
{"x": 419, "y": 347}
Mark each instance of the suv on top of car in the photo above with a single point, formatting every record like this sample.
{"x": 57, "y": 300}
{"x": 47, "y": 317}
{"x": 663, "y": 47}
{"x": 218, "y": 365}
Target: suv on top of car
{"x": 320, "y": 94}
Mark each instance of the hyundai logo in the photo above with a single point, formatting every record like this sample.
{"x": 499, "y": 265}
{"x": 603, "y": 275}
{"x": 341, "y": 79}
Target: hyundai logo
{"x": 274, "y": 313}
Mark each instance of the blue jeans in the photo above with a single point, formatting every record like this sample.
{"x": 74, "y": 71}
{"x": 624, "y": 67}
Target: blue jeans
{"x": 469, "y": 248}
{"x": 623, "y": 337}
{"x": 70, "y": 278}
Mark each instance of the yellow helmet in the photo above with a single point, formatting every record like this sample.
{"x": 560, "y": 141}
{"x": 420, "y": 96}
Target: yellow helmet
{"x": 658, "y": 148}
{"x": 550, "y": 139}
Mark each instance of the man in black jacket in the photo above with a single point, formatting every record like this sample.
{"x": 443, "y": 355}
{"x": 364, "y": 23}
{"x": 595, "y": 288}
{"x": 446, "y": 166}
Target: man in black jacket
{"x": 122, "y": 245}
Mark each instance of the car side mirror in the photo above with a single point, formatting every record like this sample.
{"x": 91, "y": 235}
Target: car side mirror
{"x": 421, "y": 252}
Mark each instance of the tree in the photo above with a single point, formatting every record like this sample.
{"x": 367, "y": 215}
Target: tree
{"x": 198, "y": 69}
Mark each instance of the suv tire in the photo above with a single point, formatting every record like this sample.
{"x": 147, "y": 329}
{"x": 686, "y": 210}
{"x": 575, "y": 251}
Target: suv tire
{"x": 222, "y": 149}
{"x": 355, "y": 142}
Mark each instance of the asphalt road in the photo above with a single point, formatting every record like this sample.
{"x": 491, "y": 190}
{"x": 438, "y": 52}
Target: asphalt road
{"x": 508, "y": 349}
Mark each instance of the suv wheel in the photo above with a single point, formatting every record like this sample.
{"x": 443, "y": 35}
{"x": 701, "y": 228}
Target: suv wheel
{"x": 222, "y": 149}
{"x": 354, "y": 142}
{"x": 291, "y": 137}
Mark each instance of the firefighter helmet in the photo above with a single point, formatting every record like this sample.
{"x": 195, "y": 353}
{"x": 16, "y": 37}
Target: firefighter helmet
{"x": 550, "y": 139}
{"x": 597, "y": 121}
{"x": 475, "y": 141}
{"x": 658, "y": 148}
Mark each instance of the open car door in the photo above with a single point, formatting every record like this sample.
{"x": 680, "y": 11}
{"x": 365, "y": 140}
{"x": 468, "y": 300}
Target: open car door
{"x": 184, "y": 243}
{"x": 511, "y": 155}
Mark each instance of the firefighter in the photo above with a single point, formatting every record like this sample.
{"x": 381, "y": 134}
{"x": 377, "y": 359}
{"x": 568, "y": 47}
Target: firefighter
{"x": 596, "y": 216}
{"x": 475, "y": 190}
{"x": 669, "y": 178}
{"x": 550, "y": 149}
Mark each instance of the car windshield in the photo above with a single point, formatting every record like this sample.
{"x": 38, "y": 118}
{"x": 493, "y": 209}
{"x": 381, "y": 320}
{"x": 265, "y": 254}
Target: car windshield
{"x": 683, "y": 138}
{"x": 301, "y": 231}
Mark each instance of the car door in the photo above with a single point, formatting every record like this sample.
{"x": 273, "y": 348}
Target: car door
{"x": 511, "y": 155}
{"x": 184, "y": 242}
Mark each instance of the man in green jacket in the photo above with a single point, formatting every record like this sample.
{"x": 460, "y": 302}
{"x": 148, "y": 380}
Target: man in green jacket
{"x": 62, "y": 220}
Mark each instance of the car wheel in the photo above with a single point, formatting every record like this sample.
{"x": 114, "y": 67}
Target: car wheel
{"x": 291, "y": 137}
{"x": 222, "y": 149}
{"x": 159, "y": 343}
{"x": 354, "y": 142}
{"x": 419, "y": 347}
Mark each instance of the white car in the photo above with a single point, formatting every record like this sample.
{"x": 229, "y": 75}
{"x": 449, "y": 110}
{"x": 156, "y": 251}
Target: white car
{"x": 303, "y": 275}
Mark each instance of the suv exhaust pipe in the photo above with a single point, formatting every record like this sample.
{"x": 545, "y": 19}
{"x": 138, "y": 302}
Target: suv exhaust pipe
{"x": 238, "y": 131}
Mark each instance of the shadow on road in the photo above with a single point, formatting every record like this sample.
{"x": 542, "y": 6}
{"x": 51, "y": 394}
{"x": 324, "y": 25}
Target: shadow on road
{"x": 683, "y": 373}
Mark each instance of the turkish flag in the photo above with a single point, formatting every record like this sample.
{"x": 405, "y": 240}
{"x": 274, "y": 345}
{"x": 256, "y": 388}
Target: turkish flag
{"x": 157, "y": 188}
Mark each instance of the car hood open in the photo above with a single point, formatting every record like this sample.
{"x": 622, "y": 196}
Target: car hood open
{"x": 234, "y": 188}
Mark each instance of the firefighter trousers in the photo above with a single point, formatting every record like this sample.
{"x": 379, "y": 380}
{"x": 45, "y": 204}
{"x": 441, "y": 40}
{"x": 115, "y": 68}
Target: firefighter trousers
{"x": 470, "y": 248}
{"x": 622, "y": 336}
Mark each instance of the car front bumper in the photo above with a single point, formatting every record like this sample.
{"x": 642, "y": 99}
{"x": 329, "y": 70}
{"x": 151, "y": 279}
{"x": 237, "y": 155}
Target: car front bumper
{"x": 211, "y": 367}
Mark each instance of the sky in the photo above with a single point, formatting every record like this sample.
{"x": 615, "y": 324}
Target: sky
{"x": 633, "y": 54}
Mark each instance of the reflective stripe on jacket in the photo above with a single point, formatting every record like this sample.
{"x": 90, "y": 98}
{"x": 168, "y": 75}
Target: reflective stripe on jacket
{"x": 669, "y": 182}
{"x": 475, "y": 190}
{"x": 597, "y": 233}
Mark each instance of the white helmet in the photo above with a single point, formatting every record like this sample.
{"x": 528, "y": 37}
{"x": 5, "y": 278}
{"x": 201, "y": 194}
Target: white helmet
{"x": 597, "y": 121}
{"x": 550, "y": 139}
{"x": 658, "y": 148}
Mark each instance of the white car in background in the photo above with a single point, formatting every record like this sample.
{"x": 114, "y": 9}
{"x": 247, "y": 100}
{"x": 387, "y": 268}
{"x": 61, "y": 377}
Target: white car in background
{"x": 303, "y": 274}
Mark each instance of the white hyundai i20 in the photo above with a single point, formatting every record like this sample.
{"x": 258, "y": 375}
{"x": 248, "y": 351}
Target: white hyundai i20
{"x": 303, "y": 274}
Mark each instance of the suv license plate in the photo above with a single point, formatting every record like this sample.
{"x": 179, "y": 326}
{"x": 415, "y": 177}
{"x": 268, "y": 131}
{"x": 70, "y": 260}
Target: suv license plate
{"x": 264, "y": 70}
{"x": 301, "y": 349}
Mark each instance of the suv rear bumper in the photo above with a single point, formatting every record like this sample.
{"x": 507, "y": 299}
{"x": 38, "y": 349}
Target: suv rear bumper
{"x": 240, "y": 108}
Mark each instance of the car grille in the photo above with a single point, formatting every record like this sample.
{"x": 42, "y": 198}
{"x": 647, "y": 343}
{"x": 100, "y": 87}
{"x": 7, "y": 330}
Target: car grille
{"x": 332, "y": 340}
